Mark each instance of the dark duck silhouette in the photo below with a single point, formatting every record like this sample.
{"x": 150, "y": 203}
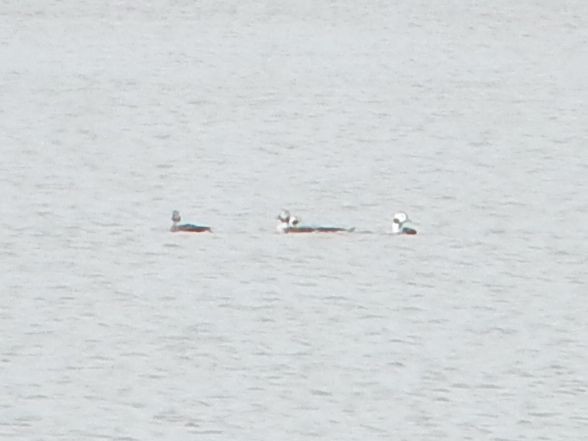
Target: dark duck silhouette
{"x": 188, "y": 228}
{"x": 292, "y": 224}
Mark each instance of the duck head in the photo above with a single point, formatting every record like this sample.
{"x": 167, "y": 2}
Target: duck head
{"x": 294, "y": 222}
{"x": 283, "y": 221}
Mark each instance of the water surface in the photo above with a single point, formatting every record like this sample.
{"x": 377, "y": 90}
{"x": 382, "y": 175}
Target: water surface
{"x": 472, "y": 118}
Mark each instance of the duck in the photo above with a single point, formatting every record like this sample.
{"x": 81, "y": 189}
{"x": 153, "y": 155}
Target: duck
{"x": 188, "y": 228}
{"x": 293, "y": 224}
{"x": 398, "y": 226}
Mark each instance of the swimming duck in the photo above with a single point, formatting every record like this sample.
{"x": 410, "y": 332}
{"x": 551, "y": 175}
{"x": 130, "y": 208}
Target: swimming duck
{"x": 398, "y": 222}
{"x": 189, "y": 228}
{"x": 292, "y": 224}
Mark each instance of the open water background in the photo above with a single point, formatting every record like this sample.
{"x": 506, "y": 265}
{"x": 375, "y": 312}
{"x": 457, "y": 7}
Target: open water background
{"x": 470, "y": 116}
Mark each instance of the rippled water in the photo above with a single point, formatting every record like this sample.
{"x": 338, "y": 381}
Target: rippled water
{"x": 472, "y": 118}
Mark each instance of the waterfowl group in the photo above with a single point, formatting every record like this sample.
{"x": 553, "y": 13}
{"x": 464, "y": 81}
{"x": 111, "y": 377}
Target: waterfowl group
{"x": 288, "y": 223}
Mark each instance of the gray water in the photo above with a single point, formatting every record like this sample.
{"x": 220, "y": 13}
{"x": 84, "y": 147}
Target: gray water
{"x": 470, "y": 116}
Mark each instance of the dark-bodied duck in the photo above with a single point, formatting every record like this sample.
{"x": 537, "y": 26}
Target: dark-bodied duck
{"x": 292, "y": 224}
{"x": 188, "y": 228}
